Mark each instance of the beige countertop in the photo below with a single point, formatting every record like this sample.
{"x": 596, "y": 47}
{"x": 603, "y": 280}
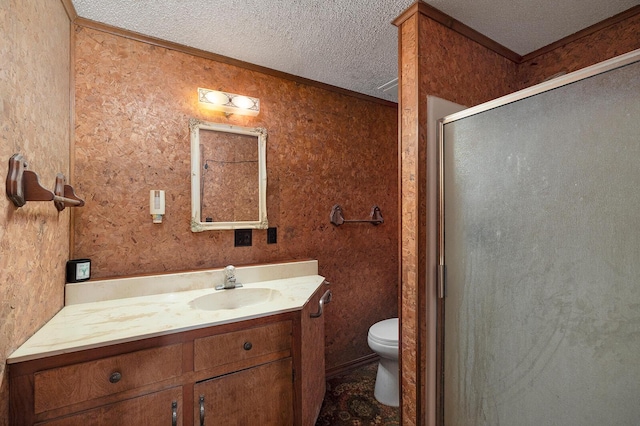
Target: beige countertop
{"x": 100, "y": 323}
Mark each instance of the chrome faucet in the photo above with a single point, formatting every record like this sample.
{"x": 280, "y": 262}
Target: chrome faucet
{"x": 229, "y": 279}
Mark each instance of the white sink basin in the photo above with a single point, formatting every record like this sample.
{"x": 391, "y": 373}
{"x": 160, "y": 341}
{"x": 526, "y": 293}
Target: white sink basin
{"x": 235, "y": 298}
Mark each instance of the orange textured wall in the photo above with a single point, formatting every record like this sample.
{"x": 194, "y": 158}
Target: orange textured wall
{"x": 436, "y": 61}
{"x": 455, "y": 68}
{"x": 607, "y": 43}
{"x": 34, "y": 121}
{"x": 133, "y": 104}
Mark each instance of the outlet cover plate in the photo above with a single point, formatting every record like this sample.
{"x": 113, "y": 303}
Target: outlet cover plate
{"x": 243, "y": 237}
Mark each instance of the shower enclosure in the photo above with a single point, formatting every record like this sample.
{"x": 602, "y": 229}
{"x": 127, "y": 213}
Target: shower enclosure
{"x": 540, "y": 226}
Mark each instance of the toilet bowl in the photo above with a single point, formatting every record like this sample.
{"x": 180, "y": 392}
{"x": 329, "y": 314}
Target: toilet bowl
{"x": 383, "y": 340}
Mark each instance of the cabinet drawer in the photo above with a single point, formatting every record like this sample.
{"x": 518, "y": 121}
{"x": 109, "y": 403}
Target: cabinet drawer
{"x": 65, "y": 386}
{"x": 240, "y": 345}
{"x": 160, "y": 408}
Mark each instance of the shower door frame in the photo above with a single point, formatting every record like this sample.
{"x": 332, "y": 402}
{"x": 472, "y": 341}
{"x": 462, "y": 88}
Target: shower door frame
{"x": 438, "y": 338}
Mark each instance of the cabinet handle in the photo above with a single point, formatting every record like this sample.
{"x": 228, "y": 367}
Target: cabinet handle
{"x": 326, "y": 298}
{"x": 115, "y": 377}
{"x": 201, "y": 410}
{"x": 174, "y": 413}
{"x": 247, "y": 346}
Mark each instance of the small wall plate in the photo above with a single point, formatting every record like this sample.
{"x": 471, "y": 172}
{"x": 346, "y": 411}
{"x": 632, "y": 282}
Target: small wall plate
{"x": 243, "y": 237}
{"x": 272, "y": 235}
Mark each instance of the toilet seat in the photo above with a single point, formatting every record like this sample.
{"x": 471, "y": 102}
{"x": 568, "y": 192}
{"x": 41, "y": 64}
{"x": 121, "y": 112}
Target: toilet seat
{"x": 385, "y": 332}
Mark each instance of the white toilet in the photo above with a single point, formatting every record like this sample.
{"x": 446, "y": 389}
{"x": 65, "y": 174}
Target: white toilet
{"x": 383, "y": 340}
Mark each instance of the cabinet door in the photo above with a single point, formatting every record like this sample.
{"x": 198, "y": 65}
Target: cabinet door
{"x": 159, "y": 408}
{"x": 261, "y": 395}
{"x": 312, "y": 372}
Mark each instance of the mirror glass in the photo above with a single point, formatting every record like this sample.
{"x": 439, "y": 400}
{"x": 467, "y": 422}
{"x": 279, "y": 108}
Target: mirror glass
{"x": 228, "y": 176}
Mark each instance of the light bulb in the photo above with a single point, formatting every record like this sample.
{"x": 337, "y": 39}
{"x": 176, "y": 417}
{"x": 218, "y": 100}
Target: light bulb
{"x": 242, "y": 102}
{"x": 217, "y": 98}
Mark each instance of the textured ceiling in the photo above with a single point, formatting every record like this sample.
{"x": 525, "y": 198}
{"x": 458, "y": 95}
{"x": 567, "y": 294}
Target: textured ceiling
{"x": 345, "y": 43}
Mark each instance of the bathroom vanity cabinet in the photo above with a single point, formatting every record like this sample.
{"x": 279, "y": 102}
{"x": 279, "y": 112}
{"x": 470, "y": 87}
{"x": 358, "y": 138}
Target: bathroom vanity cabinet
{"x": 267, "y": 371}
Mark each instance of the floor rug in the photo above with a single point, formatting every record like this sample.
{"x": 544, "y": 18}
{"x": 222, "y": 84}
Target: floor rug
{"x": 349, "y": 401}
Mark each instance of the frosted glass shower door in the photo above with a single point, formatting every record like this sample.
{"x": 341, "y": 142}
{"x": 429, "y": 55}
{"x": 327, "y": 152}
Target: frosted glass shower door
{"x": 542, "y": 250}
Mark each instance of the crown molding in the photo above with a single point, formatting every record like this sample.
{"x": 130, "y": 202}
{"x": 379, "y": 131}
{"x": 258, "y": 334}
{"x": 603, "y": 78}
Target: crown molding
{"x": 71, "y": 11}
{"x": 457, "y": 26}
{"x": 627, "y": 14}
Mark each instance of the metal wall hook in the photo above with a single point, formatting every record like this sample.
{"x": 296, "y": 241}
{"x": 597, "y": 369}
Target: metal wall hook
{"x": 337, "y": 218}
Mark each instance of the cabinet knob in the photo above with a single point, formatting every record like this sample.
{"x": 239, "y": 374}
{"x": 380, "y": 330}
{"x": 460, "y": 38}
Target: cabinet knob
{"x": 247, "y": 346}
{"x": 115, "y": 377}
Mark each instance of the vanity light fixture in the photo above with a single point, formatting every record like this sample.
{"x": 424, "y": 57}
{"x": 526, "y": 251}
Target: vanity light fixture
{"x": 229, "y": 103}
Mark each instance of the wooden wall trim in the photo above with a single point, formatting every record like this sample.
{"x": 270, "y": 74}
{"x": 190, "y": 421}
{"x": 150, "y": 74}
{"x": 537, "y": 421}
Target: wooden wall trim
{"x": 71, "y": 11}
{"x": 410, "y": 162}
{"x": 399, "y": 212}
{"x": 457, "y": 26}
{"x": 629, "y": 13}
{"x": 72, "y": 122}
{"x": 408, "y": 13}
{"x": 98, "y": 26}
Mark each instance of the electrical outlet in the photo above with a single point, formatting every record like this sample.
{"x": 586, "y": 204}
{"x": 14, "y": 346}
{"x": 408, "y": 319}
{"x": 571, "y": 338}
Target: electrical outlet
{"x": 272, "y": 235}
{"x": 243, "y": 238}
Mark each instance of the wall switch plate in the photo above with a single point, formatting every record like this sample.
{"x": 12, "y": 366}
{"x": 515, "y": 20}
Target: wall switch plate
{"x": 243, "y": 238}
{"x": 272, "y": 235}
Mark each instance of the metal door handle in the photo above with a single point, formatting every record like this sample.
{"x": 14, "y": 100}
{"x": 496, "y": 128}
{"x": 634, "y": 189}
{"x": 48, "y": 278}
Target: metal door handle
{"x": 201, "y": 410}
